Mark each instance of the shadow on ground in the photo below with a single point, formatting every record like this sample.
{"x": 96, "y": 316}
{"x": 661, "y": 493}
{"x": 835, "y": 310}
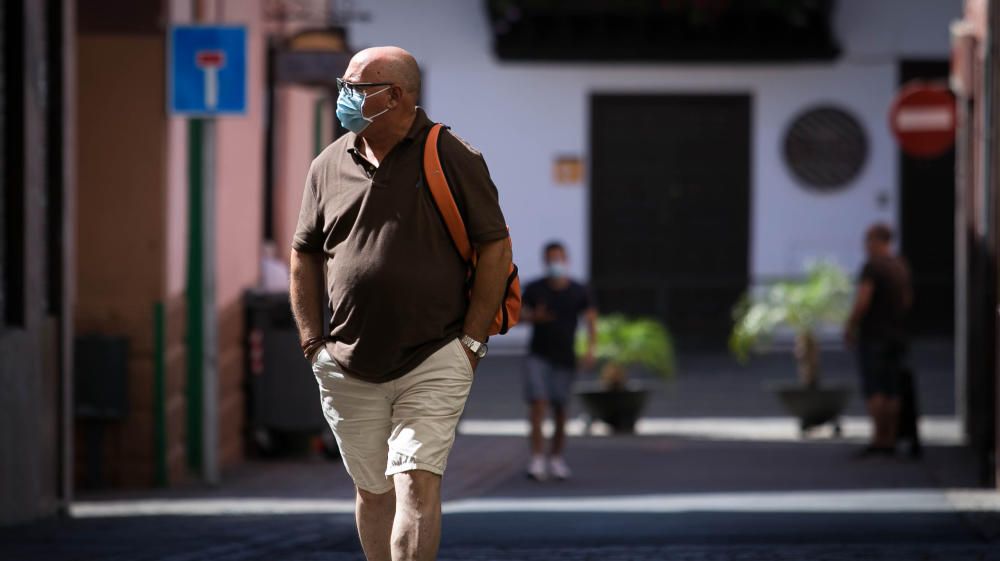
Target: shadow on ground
{"x": 632, "y": 498}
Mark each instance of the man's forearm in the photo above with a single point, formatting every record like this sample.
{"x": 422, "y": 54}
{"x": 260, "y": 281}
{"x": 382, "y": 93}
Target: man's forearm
{"x": 862, "y": 299}
{"x": 306, "y": 293}
{"x": 488, "y": 289}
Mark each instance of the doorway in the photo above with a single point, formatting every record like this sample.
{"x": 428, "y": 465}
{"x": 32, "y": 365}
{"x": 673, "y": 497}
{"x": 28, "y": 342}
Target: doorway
{"x": 927, "y": 222}
{"x": 670, "y": 209}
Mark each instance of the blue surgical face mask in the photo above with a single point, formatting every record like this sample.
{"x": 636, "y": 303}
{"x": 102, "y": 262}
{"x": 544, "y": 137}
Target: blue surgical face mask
{"x": 350, "y": 109}
{"x": 557, "y": 270}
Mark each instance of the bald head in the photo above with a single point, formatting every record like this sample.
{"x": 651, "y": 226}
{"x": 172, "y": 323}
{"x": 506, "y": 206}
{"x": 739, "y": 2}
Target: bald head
{"x": 386, "y": 64}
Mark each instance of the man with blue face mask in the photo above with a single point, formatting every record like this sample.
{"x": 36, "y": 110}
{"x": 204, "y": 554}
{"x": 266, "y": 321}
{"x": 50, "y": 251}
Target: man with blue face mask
{"x": 553, "y": 305}
{"x": 351, "y": 103}
{"x": 396, "y": 363}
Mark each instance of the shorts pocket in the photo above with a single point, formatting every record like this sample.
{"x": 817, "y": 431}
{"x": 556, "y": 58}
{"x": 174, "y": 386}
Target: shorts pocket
{"x": 320, "y": 357}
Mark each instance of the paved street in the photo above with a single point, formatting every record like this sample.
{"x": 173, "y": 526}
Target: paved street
{"x": 733, "y": 483}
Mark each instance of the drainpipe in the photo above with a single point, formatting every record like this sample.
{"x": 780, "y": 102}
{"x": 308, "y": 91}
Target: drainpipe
{"x": 963, "y": 42}
{"x": 991, "y": 98}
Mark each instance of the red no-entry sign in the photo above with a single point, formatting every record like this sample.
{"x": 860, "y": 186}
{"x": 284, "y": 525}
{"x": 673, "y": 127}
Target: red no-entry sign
{"x": 922, "y": 118}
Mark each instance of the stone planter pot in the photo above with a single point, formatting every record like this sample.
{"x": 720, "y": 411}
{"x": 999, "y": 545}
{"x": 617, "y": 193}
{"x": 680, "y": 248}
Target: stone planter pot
{"x": 620, "y": 409}
{"x": 814, "y": 407}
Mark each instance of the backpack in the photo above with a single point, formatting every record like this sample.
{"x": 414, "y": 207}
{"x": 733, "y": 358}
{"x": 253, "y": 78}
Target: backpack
{"x": 510, "y": 307}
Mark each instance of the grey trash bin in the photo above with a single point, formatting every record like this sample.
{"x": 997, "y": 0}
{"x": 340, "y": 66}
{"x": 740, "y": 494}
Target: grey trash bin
{"x": 283, "y": 398}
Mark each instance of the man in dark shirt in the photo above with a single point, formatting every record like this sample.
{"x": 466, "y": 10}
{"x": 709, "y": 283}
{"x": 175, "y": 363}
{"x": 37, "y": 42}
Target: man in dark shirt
{"x": 396, "y": 363}
{"x": 553, "y": 305}
{"x": 877, "y": 327}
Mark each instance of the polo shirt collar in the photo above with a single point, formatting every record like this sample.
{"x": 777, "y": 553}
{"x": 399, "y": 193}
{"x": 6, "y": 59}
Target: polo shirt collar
{"x": 420, "y": 123}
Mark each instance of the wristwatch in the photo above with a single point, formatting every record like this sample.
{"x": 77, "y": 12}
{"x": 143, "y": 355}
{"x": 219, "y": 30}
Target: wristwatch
{"x": 477, "y": 348}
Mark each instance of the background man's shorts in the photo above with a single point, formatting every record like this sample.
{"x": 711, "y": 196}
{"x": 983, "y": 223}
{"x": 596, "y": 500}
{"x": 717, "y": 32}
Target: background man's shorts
{"x": 881, "y": 367}
{"x": 397, "y": 426}
{"x": 544, "y": 381}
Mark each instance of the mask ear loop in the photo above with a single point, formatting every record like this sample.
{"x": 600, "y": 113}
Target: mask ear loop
{"x": 369, "y": 119}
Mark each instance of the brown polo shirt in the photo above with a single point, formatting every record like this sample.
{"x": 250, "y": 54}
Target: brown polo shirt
{"x": 396, "y": 283}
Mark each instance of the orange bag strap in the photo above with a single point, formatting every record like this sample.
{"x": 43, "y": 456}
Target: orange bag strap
{"x": 438, "y": 184}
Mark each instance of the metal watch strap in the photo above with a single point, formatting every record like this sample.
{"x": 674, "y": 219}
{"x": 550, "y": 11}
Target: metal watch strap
{"x": 473, "y": 345}
{"x": 470, "y": 343}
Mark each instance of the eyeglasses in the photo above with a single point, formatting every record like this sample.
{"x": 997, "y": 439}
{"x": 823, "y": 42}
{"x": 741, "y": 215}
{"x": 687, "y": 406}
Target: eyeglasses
{"x": 352, "y": 87}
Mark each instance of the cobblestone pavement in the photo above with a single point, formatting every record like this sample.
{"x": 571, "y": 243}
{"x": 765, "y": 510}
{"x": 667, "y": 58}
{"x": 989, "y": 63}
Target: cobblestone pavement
{"x": 318, "y": 538}
{"x": 715, "y": 494}
{"x": 723, "y": 553}
{"x": 706, "y": 553}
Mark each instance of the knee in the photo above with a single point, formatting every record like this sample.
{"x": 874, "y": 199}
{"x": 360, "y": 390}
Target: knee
{"x": 376, "y": 500}
{"x": 539, "y": 408}
{"x": 418, "y": 486}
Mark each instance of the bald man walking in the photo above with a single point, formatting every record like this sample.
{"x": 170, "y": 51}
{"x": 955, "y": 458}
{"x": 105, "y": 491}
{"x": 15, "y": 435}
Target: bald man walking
{"x": 396, "y": 363}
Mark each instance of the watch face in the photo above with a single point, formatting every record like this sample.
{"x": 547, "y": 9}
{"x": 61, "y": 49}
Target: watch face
{"x": 481, "y": 353}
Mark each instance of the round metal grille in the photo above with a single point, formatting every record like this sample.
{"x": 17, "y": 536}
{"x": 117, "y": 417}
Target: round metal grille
{"x": 825, "y": 147}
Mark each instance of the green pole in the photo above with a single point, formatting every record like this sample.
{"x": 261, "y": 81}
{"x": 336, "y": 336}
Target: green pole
{"x": 195, "y": 300}
{"x": 159, "y": 395}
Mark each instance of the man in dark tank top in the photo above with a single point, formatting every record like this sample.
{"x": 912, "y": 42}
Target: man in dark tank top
{"x": 877, "y": 329}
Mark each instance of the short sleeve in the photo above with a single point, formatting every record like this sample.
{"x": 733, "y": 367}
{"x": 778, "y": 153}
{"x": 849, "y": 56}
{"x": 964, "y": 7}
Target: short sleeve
{"x": 475, "y": 194}
{"x": 308, "y": 236}
{"x": 529, "y": 297}
{"x": 867, "y": 273}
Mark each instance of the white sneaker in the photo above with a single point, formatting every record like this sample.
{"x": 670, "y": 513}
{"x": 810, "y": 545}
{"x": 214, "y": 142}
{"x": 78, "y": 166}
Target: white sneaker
{"x": 559, "y": 469}
{"x": 536, "y": 468}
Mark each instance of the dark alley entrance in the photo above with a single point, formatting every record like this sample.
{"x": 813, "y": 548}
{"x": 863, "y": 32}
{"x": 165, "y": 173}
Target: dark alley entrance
{"x": 670, "y": 209}
{"x": 927, "y": 223}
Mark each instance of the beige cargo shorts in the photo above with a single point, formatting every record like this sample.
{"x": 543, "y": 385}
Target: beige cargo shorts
{"x": 405, "y": 424}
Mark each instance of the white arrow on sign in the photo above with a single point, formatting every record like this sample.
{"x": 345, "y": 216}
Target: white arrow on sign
{"x": 210, "y": 62}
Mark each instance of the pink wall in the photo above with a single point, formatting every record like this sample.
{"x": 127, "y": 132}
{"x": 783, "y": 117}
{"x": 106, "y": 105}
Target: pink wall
{"x": 239, "y": 183}
{"x": 239, "y": 180}
{"x": 120, "y": 224}
{"x": 294, "y": 149}
{"x": 240, "y": 169}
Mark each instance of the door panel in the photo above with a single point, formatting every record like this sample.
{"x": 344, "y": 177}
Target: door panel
{"x": 927, "y": 223}
{"x": 670, "y": 209}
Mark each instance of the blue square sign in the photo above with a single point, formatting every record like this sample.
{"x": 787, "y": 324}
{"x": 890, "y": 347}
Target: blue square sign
{"x": 207, "y": 70}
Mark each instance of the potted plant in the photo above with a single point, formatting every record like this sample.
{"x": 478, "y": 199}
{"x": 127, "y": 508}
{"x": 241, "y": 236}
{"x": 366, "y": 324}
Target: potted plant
{"x": 624, "y": 343}
{"x": 821, "y": 298}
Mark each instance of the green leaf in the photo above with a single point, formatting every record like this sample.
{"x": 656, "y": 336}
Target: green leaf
{"x": 632, "y": 341}
{"x": 822, "y": 297}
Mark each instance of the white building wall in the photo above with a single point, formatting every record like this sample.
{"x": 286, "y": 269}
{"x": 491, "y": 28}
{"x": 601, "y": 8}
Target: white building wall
{"x": 522, "y": 115}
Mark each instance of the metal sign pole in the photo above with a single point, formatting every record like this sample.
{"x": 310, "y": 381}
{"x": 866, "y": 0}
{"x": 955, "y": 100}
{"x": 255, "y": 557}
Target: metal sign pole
{"x": 202, "y": 390}
{"x": 210, "y": 397}
{"x": 206, "y": 77}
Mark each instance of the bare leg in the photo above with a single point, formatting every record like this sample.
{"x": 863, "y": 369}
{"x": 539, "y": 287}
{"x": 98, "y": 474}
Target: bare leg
{"x": 537, "y": 418}
{"x": 374, "y": 514}
{"x": 875, "y": 408}
{"x": 890, "y": 420}
{"x": 884, "y": 412}
{"x": 559, "y": 437}
{"x": 416, "y": 531}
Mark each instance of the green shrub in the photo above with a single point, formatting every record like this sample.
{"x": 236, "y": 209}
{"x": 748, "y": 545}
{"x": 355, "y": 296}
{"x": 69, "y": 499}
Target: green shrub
{"x": 632, "y": 341}
{"x": 823, "y": 297}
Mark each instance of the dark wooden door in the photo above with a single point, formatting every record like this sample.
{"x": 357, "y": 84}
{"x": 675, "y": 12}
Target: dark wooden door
{"x": 927, "y": 223}
{"x": 670, "y": 206}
